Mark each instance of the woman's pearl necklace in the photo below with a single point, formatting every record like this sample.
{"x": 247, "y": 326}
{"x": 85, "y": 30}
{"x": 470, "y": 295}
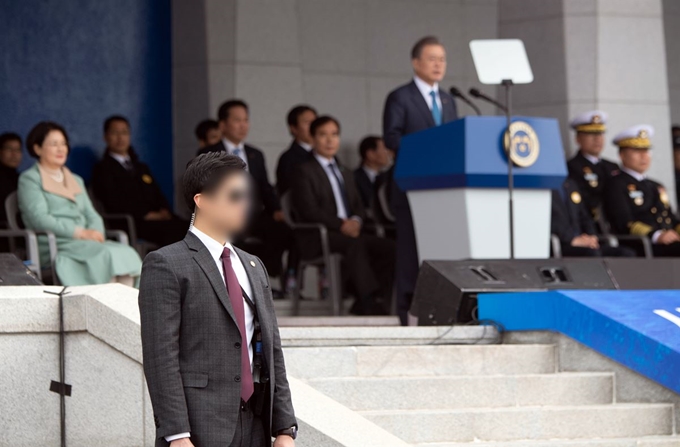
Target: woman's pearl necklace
{"x": 57, "y": 176}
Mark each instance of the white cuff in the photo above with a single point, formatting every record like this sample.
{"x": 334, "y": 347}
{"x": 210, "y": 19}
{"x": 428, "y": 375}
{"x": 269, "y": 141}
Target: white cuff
{"x": 178, "y": 436}
{"x": 358, "y": 219}
{"x": 656, "y": 235}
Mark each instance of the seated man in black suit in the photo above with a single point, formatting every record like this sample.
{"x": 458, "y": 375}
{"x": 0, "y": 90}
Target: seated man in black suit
{"x": 572, "y": 223}
{"x": 375, "y": 157}
{"x": 300, "y": 150}
{"x": 635, "y": 204}
{"x": 124, "y": 185}
{"x": 10, "y": 159}
{"x": 324, "y": 192}
{"x": 268, "y": 224}
{"x": 207, "y": 133}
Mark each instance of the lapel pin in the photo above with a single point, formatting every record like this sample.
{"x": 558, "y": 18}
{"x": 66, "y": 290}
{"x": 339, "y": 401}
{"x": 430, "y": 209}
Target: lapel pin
{"x": 252, "y": 263}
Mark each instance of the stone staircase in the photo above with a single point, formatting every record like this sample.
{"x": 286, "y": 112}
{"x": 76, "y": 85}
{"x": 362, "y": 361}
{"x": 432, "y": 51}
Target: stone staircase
{"x": 481, "y": 396}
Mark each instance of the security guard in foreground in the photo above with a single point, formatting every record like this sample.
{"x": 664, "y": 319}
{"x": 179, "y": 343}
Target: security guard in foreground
{"x": 635, "y": 204}
{"x": 589, "y": 171}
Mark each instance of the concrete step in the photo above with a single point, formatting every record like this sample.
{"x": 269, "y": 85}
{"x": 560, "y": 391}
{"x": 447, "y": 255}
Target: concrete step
{"x": 520, "y": 423}
{"x": 648, "y": 441}
{"x": 344, "y": 321}
{"x": 419, "y": 361}
{"x": 450, "y": 392}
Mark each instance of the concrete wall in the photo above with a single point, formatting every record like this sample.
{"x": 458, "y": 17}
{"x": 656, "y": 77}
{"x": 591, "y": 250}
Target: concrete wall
{"x": 343, "y": 57}
{"x": 671, "y": 20}
{"x": 606, "y": 54}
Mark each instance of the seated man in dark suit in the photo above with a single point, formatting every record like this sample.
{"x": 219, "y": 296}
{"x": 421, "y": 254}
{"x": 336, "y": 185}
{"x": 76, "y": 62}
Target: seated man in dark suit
{"x": 10, "y": 159}
{"x": 207, "y": 133}
{"x": 374, "y": 158}
{"x": 124, "y": 185}
{"x": 635, "y": 204}
{"x": 300, "y": 150}
{"x": 268, "y": 224}
{"x": 572, "y": 223}
{"x": 324, "y": 192}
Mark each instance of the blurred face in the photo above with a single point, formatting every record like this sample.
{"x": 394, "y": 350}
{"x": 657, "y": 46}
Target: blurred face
{"x": 326, "y": 140}
{"x": 53, "y": 151}
{"x": 10, "y": 154}
{"x": 431, "y": 65}
{"x": 590, "y": 143}
{"x": 301, "y": 131}
{"x": 380, "y": 157}
{"x": 636, "y": 159}
{"x": 117, "y": 137}
{"x": 227, "y": 207}
{"x": 235, "y": 127}
{"x": 212, "y": 137}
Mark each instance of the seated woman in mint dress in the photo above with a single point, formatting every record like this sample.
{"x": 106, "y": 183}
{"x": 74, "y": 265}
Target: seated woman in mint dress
{"x": 52, "y": 198}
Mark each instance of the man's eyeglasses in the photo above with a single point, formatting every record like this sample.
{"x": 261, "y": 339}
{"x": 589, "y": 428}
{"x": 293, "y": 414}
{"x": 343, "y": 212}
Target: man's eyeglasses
{"x": 238, "y": 195}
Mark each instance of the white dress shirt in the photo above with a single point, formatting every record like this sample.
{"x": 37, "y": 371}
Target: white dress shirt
{"x": 425, "y": 90}
{"x": 124, "y": 160}
{"x": 337, "y": 191}
{"x": 371, "y": 173}
{"x": 232, "y": 148}
{"x": 305, "y": 146}
{"x": 591, "y": 158}
{"x": 640, "y": 177}
{"x": 216, "y": 249}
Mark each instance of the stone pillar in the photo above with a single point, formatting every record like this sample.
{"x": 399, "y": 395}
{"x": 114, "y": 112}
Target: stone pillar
{"x": 588, "y": 54}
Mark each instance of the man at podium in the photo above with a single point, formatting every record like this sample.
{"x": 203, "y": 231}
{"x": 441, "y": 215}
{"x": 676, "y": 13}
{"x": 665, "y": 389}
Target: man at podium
{"x": 413, "y": 107}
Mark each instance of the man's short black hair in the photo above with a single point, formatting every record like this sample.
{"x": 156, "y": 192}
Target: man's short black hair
{"x": 38, "y": 134}
{"x": 7, "y": 137}
{"x": 295, "y": 112}
{"x": 113, "y": 119}
{"x": 203, "y": 127}
{"x": 205, "y": 172}
{"x": 370, "y": 143}
{"x": 223, "y": 111}
{"x": 320, "y": 121}
{"x": 417, "y": 49}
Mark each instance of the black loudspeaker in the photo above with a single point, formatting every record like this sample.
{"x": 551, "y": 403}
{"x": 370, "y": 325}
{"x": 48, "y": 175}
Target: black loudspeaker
{"x": 13, "y": 272}
{"x": 644, "y": 274}
{"x": 446, "y": 291}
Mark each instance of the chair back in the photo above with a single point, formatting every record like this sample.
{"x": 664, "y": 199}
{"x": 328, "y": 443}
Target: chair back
{"x": 12, "y": 210}
{"x": 287, "y": 208}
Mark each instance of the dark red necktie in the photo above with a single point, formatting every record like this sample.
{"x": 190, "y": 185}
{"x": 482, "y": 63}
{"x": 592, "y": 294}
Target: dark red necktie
{"x": 236, "y": 298}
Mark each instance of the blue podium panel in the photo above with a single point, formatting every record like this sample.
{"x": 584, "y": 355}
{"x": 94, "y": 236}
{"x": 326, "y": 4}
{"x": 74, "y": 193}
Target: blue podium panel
{"x": 468, "y": 153}
{"x": 639, "y": 329}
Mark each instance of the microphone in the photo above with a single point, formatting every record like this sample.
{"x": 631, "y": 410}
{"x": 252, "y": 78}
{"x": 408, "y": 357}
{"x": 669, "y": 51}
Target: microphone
{"x": 479, "y": 95}
{"x": 458, "y": 94}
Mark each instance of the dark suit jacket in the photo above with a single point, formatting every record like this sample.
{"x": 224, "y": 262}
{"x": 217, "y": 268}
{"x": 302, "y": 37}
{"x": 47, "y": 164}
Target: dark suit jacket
{"x": 265, "y": 194}
{"x": 591, "y": 179}
{"x": 365, "y": 186}
{"x": 637, "y": 207}
{"x": 407, "y": 112}
{"x": 9, "y": 179}
{"x": 313, "y": 199}
{"x": 570, "y": 215}
{"x": 125, "y": 191}
{"x": 189, "y": 333}
{"x": 288, "y": 162}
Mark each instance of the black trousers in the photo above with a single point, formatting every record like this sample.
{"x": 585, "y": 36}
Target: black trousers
{"x": 249, "y": 431}
{"x": 407, "y": 252}
{"x": 272, "y": 239}
{"x": 162, "y": 232}
{"x": 667, "y": 251}
{"x": 368, "y": 264}
{"x": 604, "y": 251}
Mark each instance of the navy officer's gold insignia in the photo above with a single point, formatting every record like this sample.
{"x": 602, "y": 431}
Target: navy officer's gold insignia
{"x": 146, "y": 178}
{"x": 576, "y": 197}
{"x": 524, "y": 146}
{"x": 663, "y": 196}
{"x": 590, "y": 177}
{"x": 637, "y": 196}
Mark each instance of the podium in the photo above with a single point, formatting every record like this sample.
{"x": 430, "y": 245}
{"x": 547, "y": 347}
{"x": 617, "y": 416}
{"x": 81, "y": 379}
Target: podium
{"x": 456, "y": 179}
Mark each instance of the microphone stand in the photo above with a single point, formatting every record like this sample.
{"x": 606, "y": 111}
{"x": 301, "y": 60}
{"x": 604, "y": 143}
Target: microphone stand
{"x": 507, "y": 83}
{"x": 458, "y": 94}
